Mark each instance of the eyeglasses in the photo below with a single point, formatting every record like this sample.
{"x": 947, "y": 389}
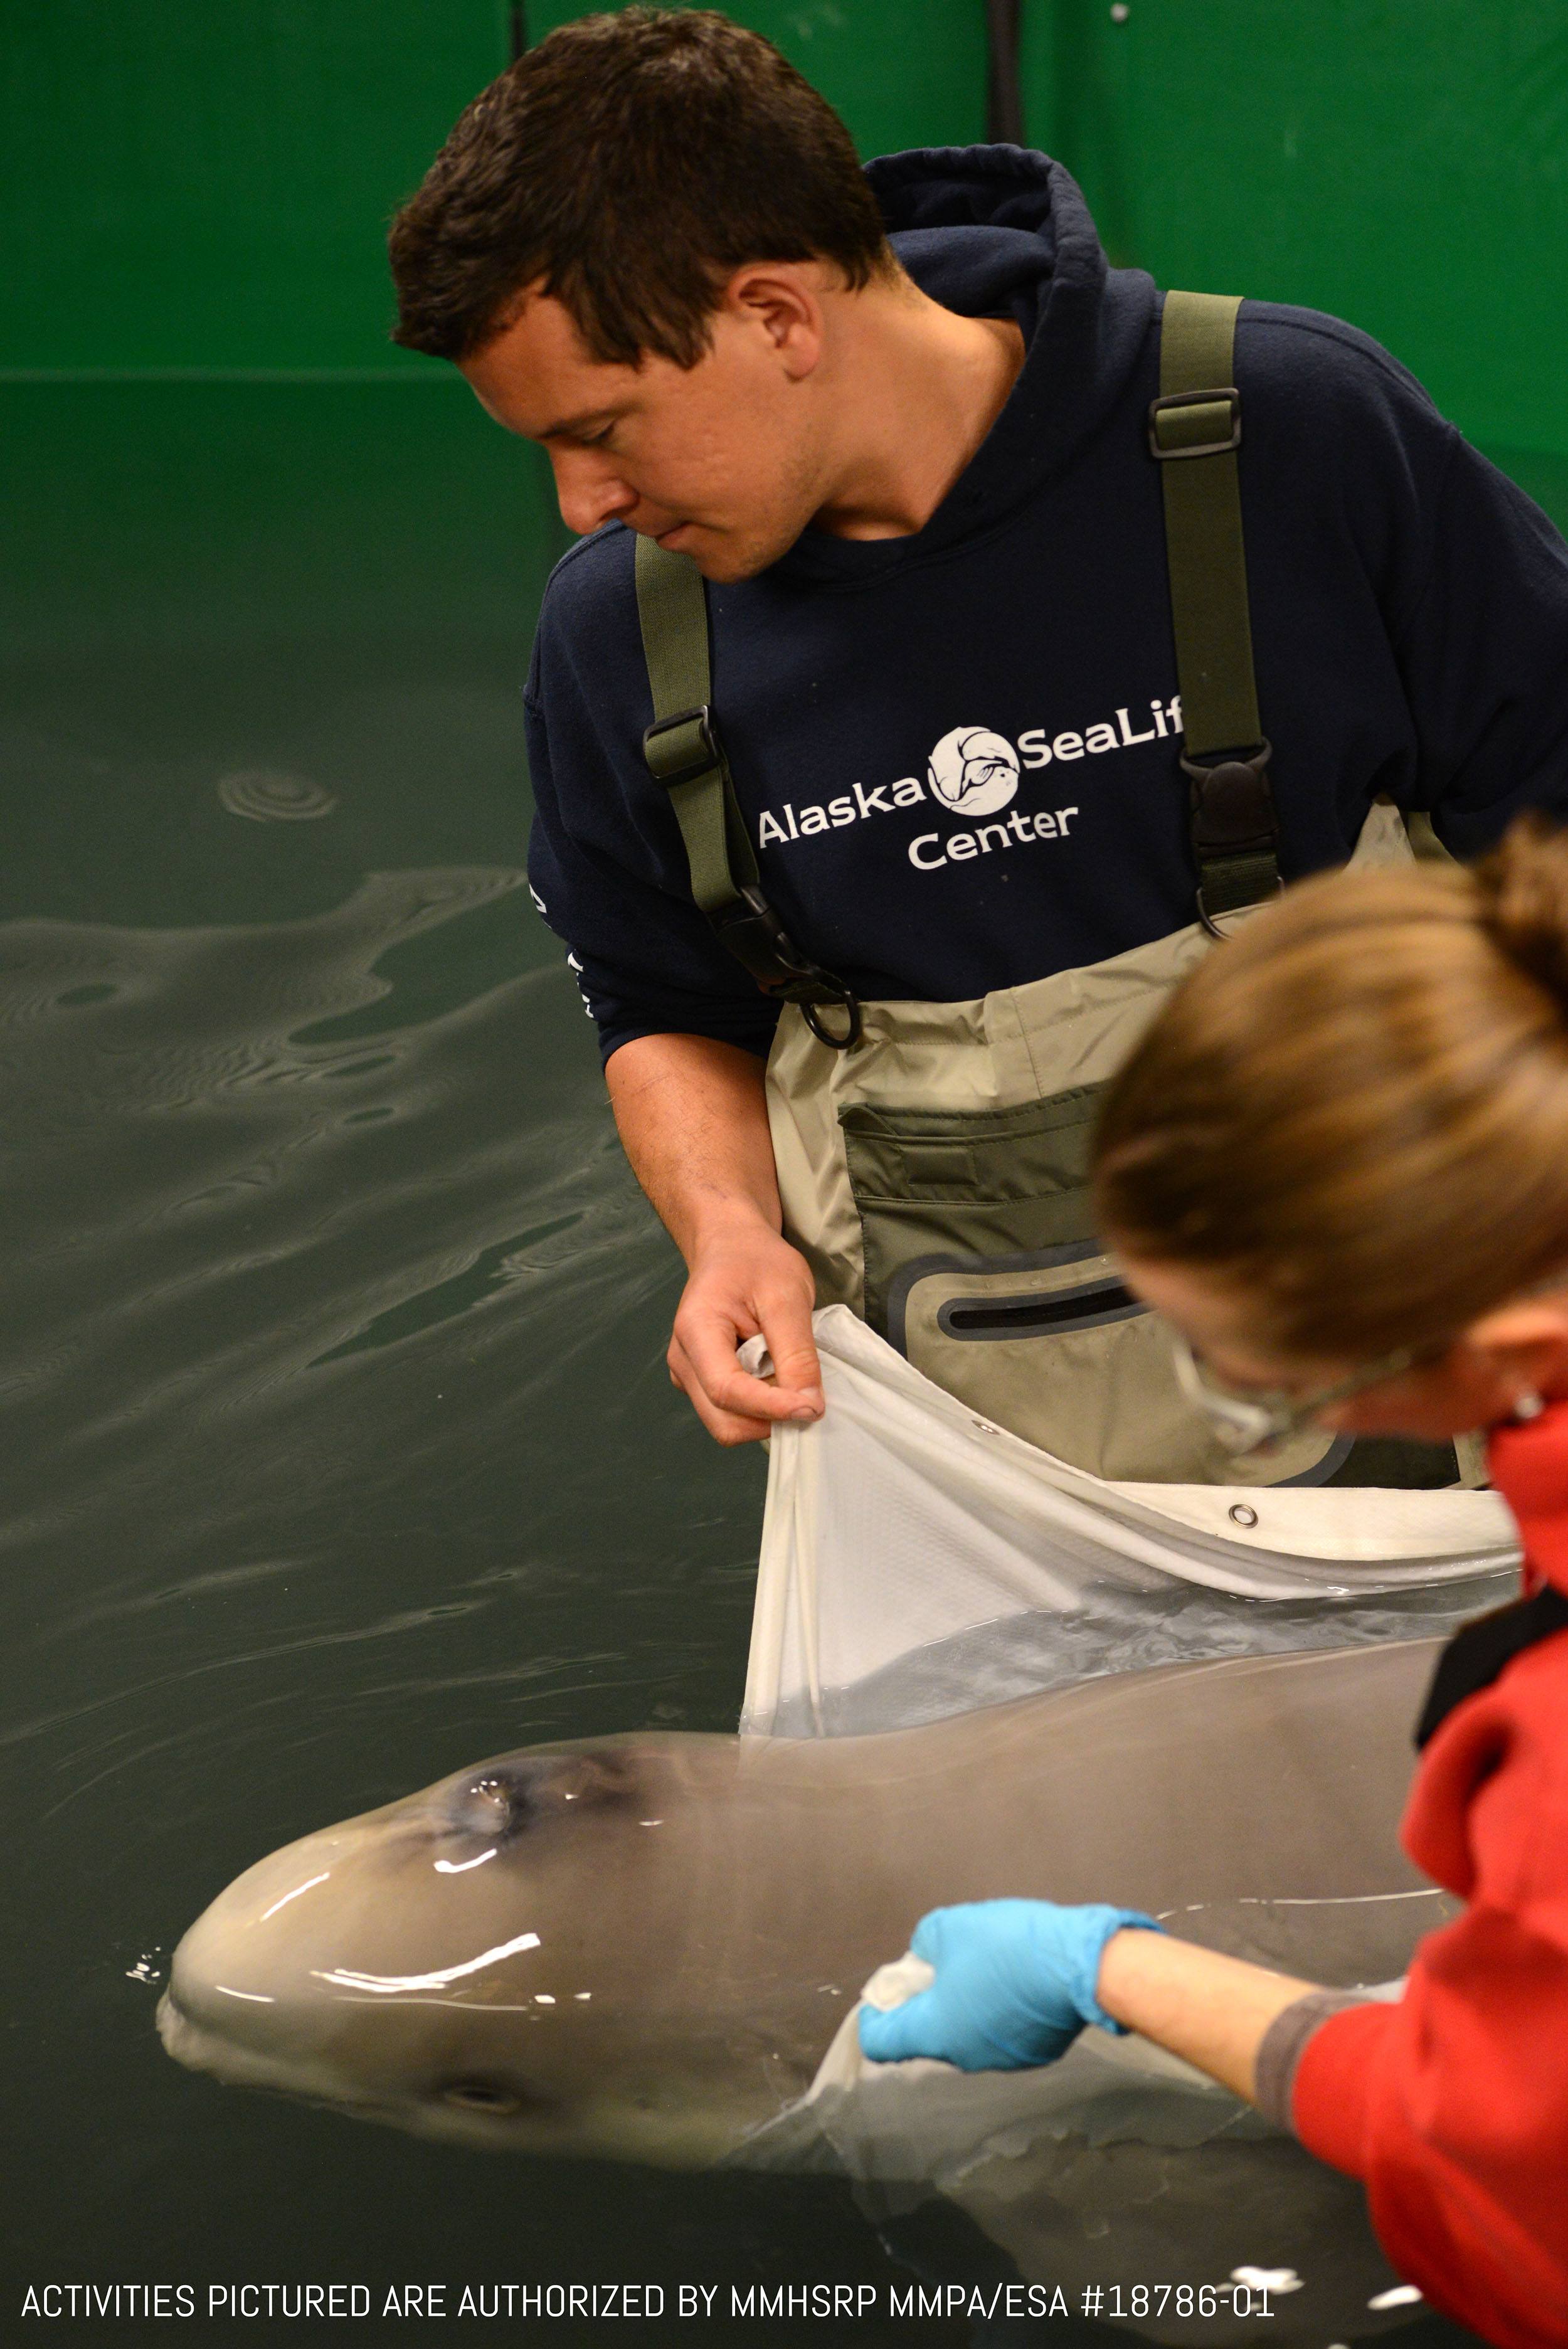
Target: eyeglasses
{"x": 1249, "y": 1419}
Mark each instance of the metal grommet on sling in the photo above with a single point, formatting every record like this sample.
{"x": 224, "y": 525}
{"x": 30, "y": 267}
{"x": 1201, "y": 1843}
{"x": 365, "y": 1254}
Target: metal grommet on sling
{"x": 1241, "y": 1514}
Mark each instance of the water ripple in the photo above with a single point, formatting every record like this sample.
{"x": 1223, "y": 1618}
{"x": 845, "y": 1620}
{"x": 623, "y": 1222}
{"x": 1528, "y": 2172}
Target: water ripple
{"x": 268, "y": 796}
{"x": 318, "y": 1350}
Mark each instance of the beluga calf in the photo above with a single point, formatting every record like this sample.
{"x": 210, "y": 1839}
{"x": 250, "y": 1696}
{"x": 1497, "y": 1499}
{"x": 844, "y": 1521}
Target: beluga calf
{"x": 647, "y": 1946}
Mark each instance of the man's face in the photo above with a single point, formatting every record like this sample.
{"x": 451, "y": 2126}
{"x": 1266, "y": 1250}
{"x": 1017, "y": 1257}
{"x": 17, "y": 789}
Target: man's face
{"x": 715, "y": 460}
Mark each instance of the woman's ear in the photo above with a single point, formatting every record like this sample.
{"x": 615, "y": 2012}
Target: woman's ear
{"x": 1526, "y": 1343}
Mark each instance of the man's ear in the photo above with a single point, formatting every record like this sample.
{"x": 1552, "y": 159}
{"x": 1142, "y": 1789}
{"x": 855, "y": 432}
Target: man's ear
{"x": 778, "y": 301}
{"x": 1527, "y": 1342}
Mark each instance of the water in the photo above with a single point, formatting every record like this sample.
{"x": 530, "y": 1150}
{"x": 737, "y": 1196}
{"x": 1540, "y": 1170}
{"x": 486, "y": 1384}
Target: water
{"x": 338, "y": 1445}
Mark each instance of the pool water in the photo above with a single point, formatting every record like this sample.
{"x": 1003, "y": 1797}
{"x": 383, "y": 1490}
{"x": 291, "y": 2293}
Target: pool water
{"x": 338, "y": 1445}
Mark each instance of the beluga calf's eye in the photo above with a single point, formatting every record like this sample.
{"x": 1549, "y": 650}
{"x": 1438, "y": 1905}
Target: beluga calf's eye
{"x": 486, "y": 1806}
{"x": 483, "y": 2097}
{"x": 503, "y": 1798}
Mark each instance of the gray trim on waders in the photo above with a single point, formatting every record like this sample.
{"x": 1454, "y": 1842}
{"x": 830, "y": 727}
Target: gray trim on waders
{"x": 1004, "y": 1315}
{"x": 1015, "y": 1312}
{"x": 1195, "y": 430}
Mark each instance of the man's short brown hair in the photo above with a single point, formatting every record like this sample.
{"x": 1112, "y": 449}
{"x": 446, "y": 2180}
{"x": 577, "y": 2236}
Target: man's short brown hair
{"x": 629, "y": 165}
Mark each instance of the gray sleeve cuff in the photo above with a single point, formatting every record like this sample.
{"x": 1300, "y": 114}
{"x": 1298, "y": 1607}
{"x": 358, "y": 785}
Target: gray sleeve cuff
{"x": 1283, "y": 2043}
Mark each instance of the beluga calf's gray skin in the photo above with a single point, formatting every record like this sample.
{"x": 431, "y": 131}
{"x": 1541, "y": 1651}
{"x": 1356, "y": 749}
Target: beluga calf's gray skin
{"x": 641, "y": 1947}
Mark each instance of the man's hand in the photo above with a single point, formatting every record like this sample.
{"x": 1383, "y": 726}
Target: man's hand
{"x": 746, "y": 1280}
{"x": 692, "y": 1116}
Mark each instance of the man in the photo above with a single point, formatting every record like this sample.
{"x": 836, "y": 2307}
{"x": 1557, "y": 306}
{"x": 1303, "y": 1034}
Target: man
{"x": 905, "y": 425}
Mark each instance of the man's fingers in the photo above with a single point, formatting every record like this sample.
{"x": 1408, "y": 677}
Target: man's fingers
{"x": 708, "y": 1340}
{"x": 724, "y": 1426}
{"x": 751, "y": 1283}
{"x": 786, "y": 1318}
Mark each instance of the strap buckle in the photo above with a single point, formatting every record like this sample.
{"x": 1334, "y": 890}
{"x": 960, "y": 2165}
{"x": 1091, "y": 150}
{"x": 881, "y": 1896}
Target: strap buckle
{"x": 1232, "y": 805}
{"x": 756, "y": 937}
{"x": 1234, "y": 832}
{"x": 684, "y": 745}
{"x": 1224, "y": 400}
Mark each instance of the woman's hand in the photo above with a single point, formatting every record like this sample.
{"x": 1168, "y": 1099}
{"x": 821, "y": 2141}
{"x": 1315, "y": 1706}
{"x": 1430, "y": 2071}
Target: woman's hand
{"x": 1016, "y": 1982}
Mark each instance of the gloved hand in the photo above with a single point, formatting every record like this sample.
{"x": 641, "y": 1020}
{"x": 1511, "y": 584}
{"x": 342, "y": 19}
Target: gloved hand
{"x": 1015, "y": 1985}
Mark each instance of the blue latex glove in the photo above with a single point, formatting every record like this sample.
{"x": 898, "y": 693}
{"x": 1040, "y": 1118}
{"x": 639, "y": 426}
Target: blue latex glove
{"x": 1015, "y": 1985}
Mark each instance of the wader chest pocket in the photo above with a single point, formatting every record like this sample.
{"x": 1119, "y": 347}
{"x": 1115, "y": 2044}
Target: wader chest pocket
{"x": 997, "y": 1199}
{"x": 983, "y": 1270}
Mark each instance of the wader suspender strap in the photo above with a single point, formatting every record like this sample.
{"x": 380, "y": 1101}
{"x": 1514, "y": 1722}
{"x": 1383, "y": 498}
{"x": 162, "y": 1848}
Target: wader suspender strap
{"x": 683, "y": 753}
{"x": 1195, "y": 429}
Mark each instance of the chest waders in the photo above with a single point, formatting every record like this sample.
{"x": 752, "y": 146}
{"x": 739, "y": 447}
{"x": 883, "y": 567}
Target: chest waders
{"x": 933, "y": 1157}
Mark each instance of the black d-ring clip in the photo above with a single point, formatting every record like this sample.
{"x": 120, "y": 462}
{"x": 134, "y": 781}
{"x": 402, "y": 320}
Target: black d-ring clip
{"x": 1235, "y": 837}
{"x": 756, "y": 936}
{"x": 854, "y": 1029}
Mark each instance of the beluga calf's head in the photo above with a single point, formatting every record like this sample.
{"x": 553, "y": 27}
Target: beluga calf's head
{"x": 521, "y": 1955}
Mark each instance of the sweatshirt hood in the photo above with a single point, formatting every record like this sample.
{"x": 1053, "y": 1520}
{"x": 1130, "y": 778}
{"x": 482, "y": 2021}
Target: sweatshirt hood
{"x": 999, "y": 232}
{"x": 1010, "y": 188}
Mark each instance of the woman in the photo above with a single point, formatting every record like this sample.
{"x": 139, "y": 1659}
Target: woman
{"x": 1338, "y": 1163}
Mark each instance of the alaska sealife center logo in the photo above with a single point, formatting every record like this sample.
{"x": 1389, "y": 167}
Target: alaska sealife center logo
{"x": 973, "y": 772}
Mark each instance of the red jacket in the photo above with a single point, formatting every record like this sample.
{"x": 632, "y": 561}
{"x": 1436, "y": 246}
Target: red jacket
{"x": 1454, "y": 2104}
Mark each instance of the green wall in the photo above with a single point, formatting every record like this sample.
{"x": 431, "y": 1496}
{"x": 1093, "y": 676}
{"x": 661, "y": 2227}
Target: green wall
{"x": 191, "y": 187}
{"x": 902, "y": 73}
{"x": 186, "y": 185}
{"x": 206, "y": 183}
{"x": 1403, "y": 163}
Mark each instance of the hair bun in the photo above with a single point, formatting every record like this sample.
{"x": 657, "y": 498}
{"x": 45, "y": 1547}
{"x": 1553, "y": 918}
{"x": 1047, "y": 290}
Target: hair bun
{"x": 1523, "y": 891}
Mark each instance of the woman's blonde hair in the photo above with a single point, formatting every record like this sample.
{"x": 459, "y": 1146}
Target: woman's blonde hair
{"x": 1355, "y": 1111}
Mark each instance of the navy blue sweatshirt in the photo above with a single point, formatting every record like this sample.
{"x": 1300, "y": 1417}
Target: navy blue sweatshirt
{"x": 956, "y": 752}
